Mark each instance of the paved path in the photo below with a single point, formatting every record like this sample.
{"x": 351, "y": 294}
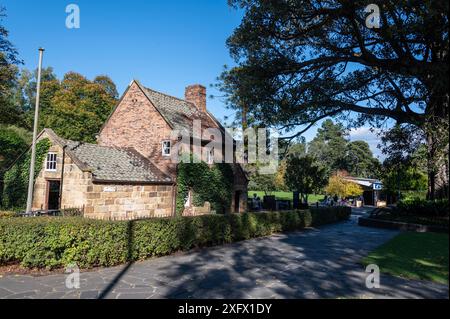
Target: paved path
{"x": 320, "y": 263}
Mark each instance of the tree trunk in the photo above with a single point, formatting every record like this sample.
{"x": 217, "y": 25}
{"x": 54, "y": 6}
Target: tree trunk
{"x": 438, "y": 163}
{"x": 437, "y": 135}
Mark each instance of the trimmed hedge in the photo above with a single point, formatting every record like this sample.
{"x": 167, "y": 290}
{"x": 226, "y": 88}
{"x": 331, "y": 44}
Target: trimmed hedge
{"x": 422, "y": 207}
{"x": 59, "y": 241}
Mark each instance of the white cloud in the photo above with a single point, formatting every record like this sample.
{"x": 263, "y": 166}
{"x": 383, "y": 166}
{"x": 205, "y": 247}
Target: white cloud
{"x": 370, "y": 136}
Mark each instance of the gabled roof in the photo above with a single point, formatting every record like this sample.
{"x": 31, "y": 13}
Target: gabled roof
{"x": 108, "y": 164}
{"x": 177, "y": 112}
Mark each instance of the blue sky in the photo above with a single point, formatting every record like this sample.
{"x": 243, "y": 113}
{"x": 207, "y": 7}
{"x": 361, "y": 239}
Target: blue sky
{"x": 167, "y": 45}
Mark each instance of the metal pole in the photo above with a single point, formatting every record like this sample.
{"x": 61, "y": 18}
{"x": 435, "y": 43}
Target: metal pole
{"x": 35, "y": 127}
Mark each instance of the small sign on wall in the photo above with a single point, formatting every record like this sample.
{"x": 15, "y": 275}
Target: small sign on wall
{"x": 377, "y": 186}
{"x": 109, "y": 189}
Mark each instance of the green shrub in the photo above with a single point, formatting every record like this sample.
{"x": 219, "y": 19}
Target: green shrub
{"x": 58, "y": 241}
{"x": 16, "y": 178}
{"x": 422, "y": 207}
{"x": 8, "y": 214}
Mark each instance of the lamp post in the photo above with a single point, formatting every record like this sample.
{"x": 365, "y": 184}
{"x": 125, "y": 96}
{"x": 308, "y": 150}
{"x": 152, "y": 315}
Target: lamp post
{"x": 35, "y": 127}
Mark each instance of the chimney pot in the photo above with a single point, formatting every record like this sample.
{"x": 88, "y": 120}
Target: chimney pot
{"x": 196, "y": 94}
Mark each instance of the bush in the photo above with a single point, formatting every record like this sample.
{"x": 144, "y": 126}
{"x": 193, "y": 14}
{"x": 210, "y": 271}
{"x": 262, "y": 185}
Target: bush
{"x": 422, "y": 207}
{"x": 8, "y": 214}
{"x": 16, "y": 178}
{"x": 58, "y": 241}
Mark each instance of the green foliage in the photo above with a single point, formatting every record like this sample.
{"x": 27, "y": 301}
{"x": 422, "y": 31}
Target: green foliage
{"x": 263, "y": 182}
{"x": 328, "y": 146}
{"x": 13, "y": 142}
{"x": 9, "y": 113}
{"x": 208, "y": 184}
{"x": 404, "y": 177}
{"x": 359, "y": 160}
{"x": 421, "y": 207}
{"x": 16, "y": 178}
{"x": 8, "y": 214}
{"x": 304, "y": 175}
{"x": 58, "y": 241}
{"x": 78, "y": 107}
{"x": 74, "y": 107}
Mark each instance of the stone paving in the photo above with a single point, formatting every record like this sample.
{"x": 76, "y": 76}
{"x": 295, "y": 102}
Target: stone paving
{"x": 317, "y": 263}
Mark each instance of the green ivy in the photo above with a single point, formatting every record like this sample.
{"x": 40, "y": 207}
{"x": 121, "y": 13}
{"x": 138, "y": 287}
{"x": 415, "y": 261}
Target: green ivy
{"x": 209, "y": 184}
{"x": 16, "y": 178}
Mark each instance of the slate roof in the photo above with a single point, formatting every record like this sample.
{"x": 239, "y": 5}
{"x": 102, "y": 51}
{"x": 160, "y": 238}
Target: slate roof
{"x": 177, "y": 112}
{"x": 110, "y": 164}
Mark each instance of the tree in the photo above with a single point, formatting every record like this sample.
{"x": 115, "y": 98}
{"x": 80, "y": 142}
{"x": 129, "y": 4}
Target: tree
{"x": 279, "y": 182}
{"x": 262, "y": 182}
{"x": 9, "y": 114}
{"x": 109, "y": 86}
{"x": 299, "y": 62}
{"x": 337, "y": 185}
{"x": 359, "y": 160}
{"x": 75, "y": 108}
{"x": 405, "y": 167}
{"x": 304, "y": 176}
{"x": 13, "y": 142}
{"x": 403, "y": 177}
{"x": 328, "y": 147}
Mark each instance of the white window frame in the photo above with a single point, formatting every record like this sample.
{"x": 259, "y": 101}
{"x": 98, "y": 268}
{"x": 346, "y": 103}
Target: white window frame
{"x": 210, "y": 156}
{"x": 51, "y": 165}
{"x": 164, "y": 148}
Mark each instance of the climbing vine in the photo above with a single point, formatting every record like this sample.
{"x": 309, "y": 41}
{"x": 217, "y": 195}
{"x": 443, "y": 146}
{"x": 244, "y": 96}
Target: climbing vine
{"x": 208, "y": 184}
{"x": 16, "y": 178}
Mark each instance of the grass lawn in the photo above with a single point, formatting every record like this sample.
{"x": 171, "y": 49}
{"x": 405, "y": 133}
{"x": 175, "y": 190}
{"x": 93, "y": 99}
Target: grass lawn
{"x": 285, "y": 195}
{"x": 414, "y": 255}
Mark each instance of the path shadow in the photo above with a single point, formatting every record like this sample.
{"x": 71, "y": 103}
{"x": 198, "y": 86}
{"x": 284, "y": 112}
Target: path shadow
{"x": 110, "y": 287}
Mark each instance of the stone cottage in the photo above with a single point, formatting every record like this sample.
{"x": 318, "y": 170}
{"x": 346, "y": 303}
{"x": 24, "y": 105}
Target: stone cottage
{"x": 129, "y": 173}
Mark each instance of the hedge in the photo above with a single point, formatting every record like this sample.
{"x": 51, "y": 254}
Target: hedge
{"x": 425, "y": 208}
{"x": 58, "y": 241}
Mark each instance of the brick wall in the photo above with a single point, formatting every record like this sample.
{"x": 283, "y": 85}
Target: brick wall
{"x": 112, "y": 201}
{"x": 136, "y": 123}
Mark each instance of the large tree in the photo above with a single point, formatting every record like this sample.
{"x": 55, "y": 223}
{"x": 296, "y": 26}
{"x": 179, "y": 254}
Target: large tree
{"x": 359, "y": 160}
{"x": 78, "y": 108}
{"x": 301, "y": 61}
{"x": 329, "y": 145}
{"x": 9, "y": 60}
{"x": 304, "y": 176}
{"x": 75, "y": 107}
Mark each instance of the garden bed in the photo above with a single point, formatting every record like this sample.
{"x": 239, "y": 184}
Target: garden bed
{"x": 412, "y": 215}
{"x": 397, "y": 224}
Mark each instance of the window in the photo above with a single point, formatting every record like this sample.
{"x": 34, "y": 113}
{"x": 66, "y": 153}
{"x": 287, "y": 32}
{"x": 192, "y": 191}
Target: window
{"x": 210, "y": 156}
{"x": 50, "y": 163}
{"x": 166, "y": 148}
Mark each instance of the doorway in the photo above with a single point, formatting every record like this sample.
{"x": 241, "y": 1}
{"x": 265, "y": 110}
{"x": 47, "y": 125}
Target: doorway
{"x": 53, "y": 194}
{"x": 237, "y": 200}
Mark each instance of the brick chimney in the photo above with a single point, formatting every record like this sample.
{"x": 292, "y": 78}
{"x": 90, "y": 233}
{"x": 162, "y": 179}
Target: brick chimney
{"x": 196, "y": 94}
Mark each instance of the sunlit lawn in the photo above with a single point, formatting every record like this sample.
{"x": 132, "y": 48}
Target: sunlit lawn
{"x": 414, "y": 255}
{"x": 285, "y": 196}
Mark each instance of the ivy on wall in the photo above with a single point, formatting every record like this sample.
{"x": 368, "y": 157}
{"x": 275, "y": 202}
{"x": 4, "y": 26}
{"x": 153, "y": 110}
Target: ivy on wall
{"x": 207, "y": 184}
{"x": 16, "y": 178}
